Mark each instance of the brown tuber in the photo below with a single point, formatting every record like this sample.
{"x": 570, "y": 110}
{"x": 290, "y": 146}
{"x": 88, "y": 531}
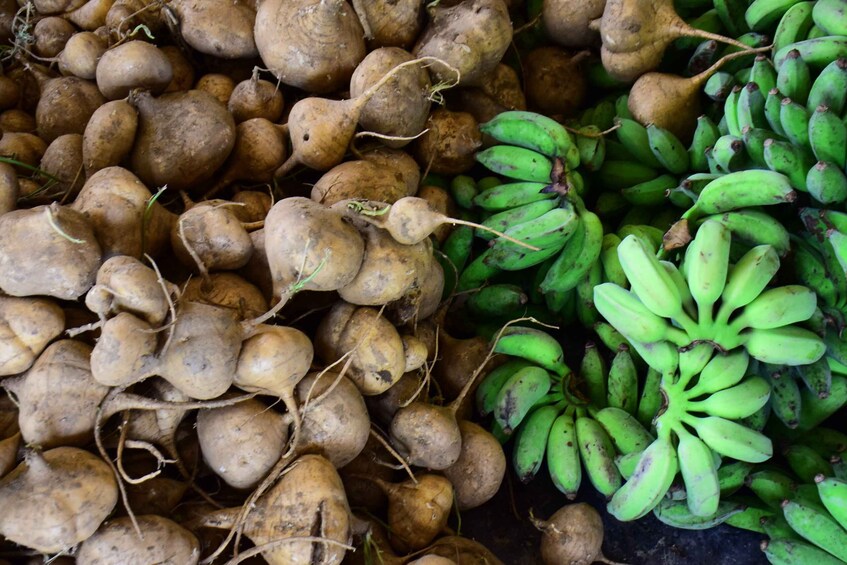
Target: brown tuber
{"x": 572, "y": 536}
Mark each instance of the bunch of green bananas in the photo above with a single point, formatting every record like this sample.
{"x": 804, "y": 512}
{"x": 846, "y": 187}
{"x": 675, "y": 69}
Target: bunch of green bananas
{"x": 573, "y": 421}
{"x": 709, "y": 300}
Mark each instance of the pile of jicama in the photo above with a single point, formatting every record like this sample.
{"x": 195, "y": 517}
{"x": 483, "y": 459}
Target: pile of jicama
{"x": 205, "y": 355}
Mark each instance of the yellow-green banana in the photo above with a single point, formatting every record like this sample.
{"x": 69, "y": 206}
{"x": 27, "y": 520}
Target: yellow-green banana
{"x": 817, "y": 526}
{"x": 623, "y": 382}
{"x": 697, "y": 465}
{"x": 827, "y": 183}
{"x": 501, "y": 221}
{"x": 743, "y": 189}
{"x": 535, "y": 345}
{"x": 668, "y": 149}
{"x": 830, "y": 15}
{"x": 649, "y": 482}
{"x": 531, "y": 441}
{"x": 736, "y": 402}
{"x": 747, "y": 279}
{"x": 517, "y": 163}
{"x": 625, "y": 431}
{"x": 533, "y": 131}
{"x": 789, "y": 345}
{"x": 511, "y": 195}
{"x": 519, "y": 394}
{"x": 631, "y": 317}
{"x": 754, "y": 227}
{"x": 705, "y": 266}
{"x": 783, "y": 551}
{"x": 732, "y": 439}
{"x": 794, "y": 25}
{"x": 598, "y": 455}
{"x": 649, "y": 280}
{"x": 489, "y": 387}
{"x": 563, "y": 462}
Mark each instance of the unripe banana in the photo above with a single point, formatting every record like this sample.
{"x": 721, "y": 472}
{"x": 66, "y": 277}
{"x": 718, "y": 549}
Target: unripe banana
{"x": 502, "y": 221}
{"x": 598, "y": 456}
{"x": 794, "y": 25}
{"x": 806, "y": 462}
{"x": 722, "y": 371}
{"x": 612, "y": 269}
{"x": 773, "y": 109}
{"x": 735, "y": 402}
{"x": 489, "y": 387}
{"x": 617, "y": 175}
{"x": 651, "y": 398}
{"x": 786, "y": 399}
{"x": 668, "y": 149}
{"x": 732, "y": 476}
{"x": 593, "y": 372}
{"x": 790, "y": 160}
{"x": 788, "y": 345}
{"x": 625, "y": 431}
{"x": 534, "y": 345}
{"x": 817, "y": 52}
{"x": 634, "y": 137}
{"x": 815, "y": 409}
{"x": 777, "y": 307}
{"x": 763, "y": 74}
{"x": 649, "y": 279}
{"x": 830, "y": 16}
{"x": 827, "y": 183}
{"x": 817, "y": 377}
{"x": 719, "y": 86}
{"x": 676, "y": 513}
{"x": 659, "y": 355}
{"x": 517, "y": 163}
{"x": 817, "y": 526}
{"x": 751, "y": 107}
{"x": 577, "y": 256}
{"x": 731, "y": 439}
{"x": 551, "y": 229}
{"x": 629, "y": 315}
{"x": 496, "y": 300}
{"x": 730, "y": 112}
{"x": 828, "y": 136}
{"x": 511, "y": 195}
{"x": 533, "y": 131}
{"x": 696, "y": 463}
{"x": 771, "y": 486}
{"x": 650, "y": 193}
{"x": 623, "y": 382}
{"x": 743, "y": 189}
{"x": 833, "y": 493}
{"x": 477, "y": 273}
{"x": 519, "y": 394}
{"x": 592, "y": 147}
{"x": 705, "y": 135}
{"x": 650, "y": 480}
{"x": 830, "y": 88}
{"x": 793, "y": 77}
{"x": 762, "y": 15}
{"x": 563, "y": 462}
{"x": 531, "y": 441}
{"x": 754, "y": 144}
{"x": 754, "y": 227}
{"x": 728, "y": 153}
{"x": 706, "y": 266}
{"x": 785, "y": 551}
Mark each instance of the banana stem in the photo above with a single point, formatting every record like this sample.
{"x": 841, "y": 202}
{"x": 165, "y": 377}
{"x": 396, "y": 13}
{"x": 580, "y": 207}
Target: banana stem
{"x": 678, "y": 337}
{"x": 704, "y": 316}
{"x": 691, "y": 327}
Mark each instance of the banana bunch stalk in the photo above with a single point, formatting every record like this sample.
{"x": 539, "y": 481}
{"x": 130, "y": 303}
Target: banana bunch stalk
{"x": 580, "y": 424}
{"x": 708, "y": 300}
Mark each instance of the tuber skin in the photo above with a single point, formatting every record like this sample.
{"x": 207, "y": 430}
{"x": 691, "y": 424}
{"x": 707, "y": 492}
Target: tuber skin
{"x": 131, "y": 65}
{"x": 574, "y": 535}
{"x": 478, "y": 473}
{"x": 116, "y": 542}
{"x": 449, "y": 144}
{"x": 221, "y": 28}
{"x": 108, "y": 136}
{"x": 27, "y": 325}
{"x": 256, "y": 98}
{"x": 417, "y": 510}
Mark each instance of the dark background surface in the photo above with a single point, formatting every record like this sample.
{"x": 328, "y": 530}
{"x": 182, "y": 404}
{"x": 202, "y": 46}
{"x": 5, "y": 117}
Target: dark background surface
{"x": 503, "y": 526}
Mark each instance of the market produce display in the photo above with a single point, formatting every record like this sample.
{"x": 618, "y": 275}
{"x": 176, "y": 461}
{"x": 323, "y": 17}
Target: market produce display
{"x": 307, "y": 281}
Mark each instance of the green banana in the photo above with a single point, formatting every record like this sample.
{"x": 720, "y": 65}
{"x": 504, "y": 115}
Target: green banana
{"x": 634, "y": 137}
{"x": 793, "y": 78}
{"x": 731, "y": 13}
{"x": 650, "y": 193}
{"x": 457, "y": 250}
{"x": 830, "y": 16}
{"x": 763, "y": 74}
{"x": 531, "y": 441}
{"x": 763, "y": 15}
{"x": 735, "y": 402}
{"x": 816, "y": 526}
{"x": 789, "y": 159}
{"x": 786, "y": 399}
{"x": 517, "y": 163}
{"x": 650, "y": 281}
{"x": 668, "y": 149}
{"x": 827, "y": 183}
{"x": 631, "y": 317}
{"x": 795, "y": 122}
{"x": 563, "y": 462}
{"x": 743, "y": 189}
{"x": 626, "y": 464}
{"x": 476, "y": 273}
{"x": 577, "y": 256}
{"x": 833, "y": 493}
{"x": 463, "y": 190}
{"x": 705, "y": 135}
{"x": 592, "y": 147}
{"x": 650, "y": 480}
{"x": 623, "y": 382}
{"x": 795, "y": 552}
{"x": 750, "y": 519}
{"x": 612, "y": 269}
{"x": 751, "y": 107}
{"x": 501, "y": 221}
{"x": 732, "y": 439}
{"x": 730, "y": 111}
{"x": 830, "y": 88}
{"x": 706, "y": 264}
{"x": 704, "y": 56}
{"x": 732, "y": 476}
{"x": 806, "y": 462}
{"x": 719, "y": 86}
{"x": 678, "y": 514}
{"x": 773, "y": 109}
{"x": 747, "y": 279}
{"x": 505, "y": 196}
{"x": 534, "y": 345}
{"x": 696, "y": 463}
{"x": 610, "y": 337}
{"x": 815, "y": 409}
{"x": 553, "y": 228}
{"x": 778, "y": 307}
{"x": 728, "y": 153}
{"x": 490, "y": 385}
{"x": 497, "y": 300}
{"x": 628, "y": 435}
{"x": 535, "y": 132}
{"x": 617, "y": 175}
{"x": 817, "y": 52}
{"x": 593, "y": 372}
{"x": 688, "y": 305}
{"x": 651, "y": 398}
{"x": 787, "y": 345}
{"x": 518, "y": 395}
{"x": 598, "y": 455}
{"x": 817, "y": 377}
{"x": 827, "y": 135}
{"x": 585, "y": 310}
{"x": 794, "y": 25}
{"x": 754, "y": 227}
{"x": 771, "y": 486}
{"x": 721, "y": 372}
{"x": 754, "y": 145}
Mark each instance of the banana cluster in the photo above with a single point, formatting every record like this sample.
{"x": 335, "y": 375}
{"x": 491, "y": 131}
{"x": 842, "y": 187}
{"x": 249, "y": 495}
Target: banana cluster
{"x": 591, "y": 420}
{"x": 709, "y": 300}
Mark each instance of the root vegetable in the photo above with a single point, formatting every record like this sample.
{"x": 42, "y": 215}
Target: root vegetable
{"x": 257, "y": 270}
{"x": 183, "y": 70}
{"x": 254, "y": 205}
{"x": 27, "y": 325}
{"x": 308, "y": 500}
{"x": 459, "y": 360}
{"x": 118, "y": 205}
{"x": 358, "y": 179}
{"x": 59, "y": 378}
{"x": 310, "y": 44}
{"x": 241, "y": 443}
{"x": 156, "y": 495}
{"x": 208, "y": 237}
{"x": 555, "y": 81}
{"x": 427, "y": 435}
{"x": 125, "y": 284}
{"x": 91, "y": 15}
{"x": 126, "y": 15}
{"x": 81, "y": 54}
{"x": 401, "y": 106}
{"x": 432, "y": 560}
{"x": 449, "y": 145}
{"x": 56, "y": 499}
{"x": 218, "y": 85}
{"x": 416, "y": 353}
{"x": 417, "y": 511}
{"x": 478, "y": 473}
{"x": 9, "y": 188}
{"x": 574, "y": 534}
{"x": 10, "y": 93}
{"x": 256, "y": 98}
{"x": 338, "y": 424}
{"x": 463, "y": 550}
{"x": 440, "y": 201}
{"x": 567, "y": 21}
{"x": 390, "y": 23}
{"x": 61, "y": 256}
{"x": 423, "y": 298}
{"x": 398, "y": 161}
{"x": 125, "y": 352}
{"x": 27, "y": 148}
{"x": 377, "y": 354}
{"x": 134, "y": 64}
{"x": 109, "y": 136}
{"x": 182, "y": 138}
{"x": 229, "y": 291}
{"x": 384, "y": 406}
{"x": 117, "y": 542}
{"x": 51, "y": 34}
{"x": 62, "y": 160}
{"x": 359, "y": 473}
{"x": 15, "y": 120}
{"x": 48, "y": 7}
{"x": 65, "y": 106}
{"x": 260, "y": 148}
{"x": 221, "y": 28}
{"x": 323, "y": 250}
{"x": 472, "y": 37}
